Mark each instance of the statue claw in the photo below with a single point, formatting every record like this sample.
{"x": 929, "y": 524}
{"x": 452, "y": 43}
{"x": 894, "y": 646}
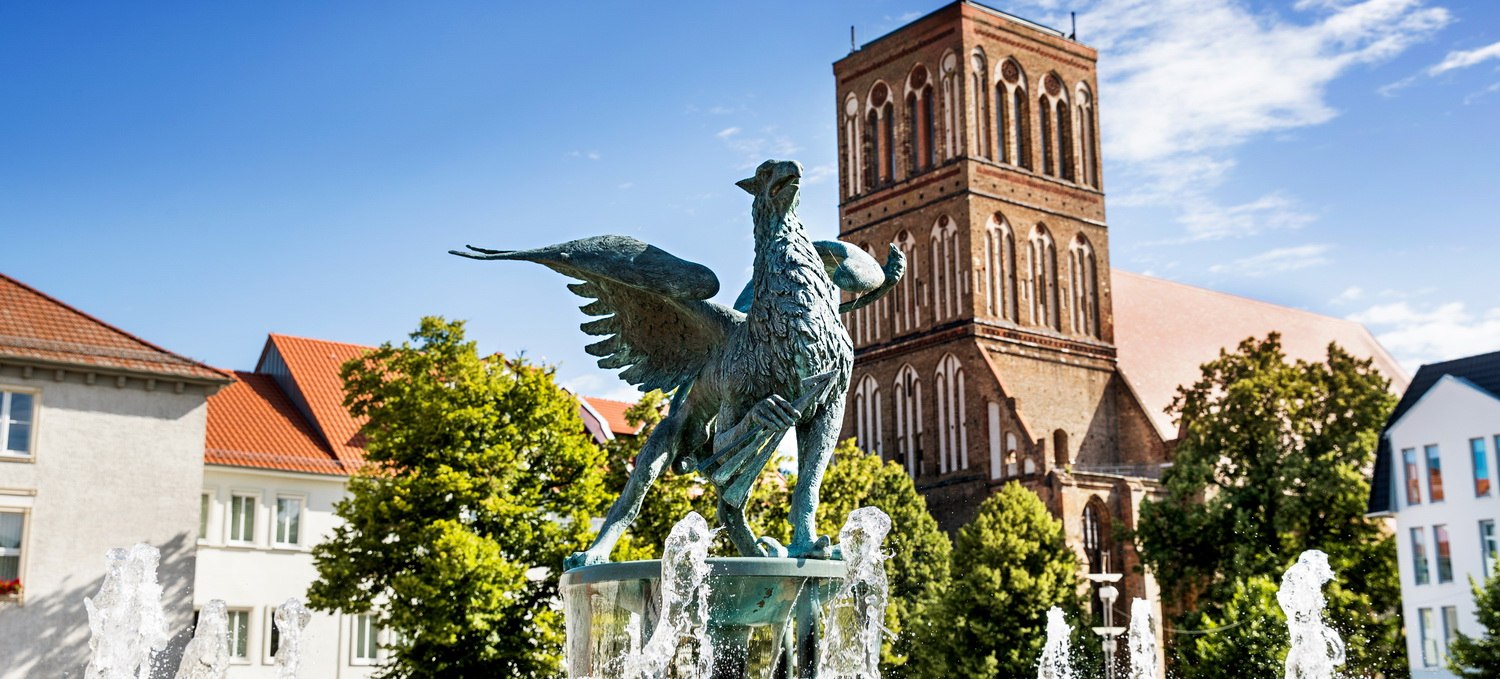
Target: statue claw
{"x": 821, "y": 548}
{"x": 585, "y": 558}
{"x": 770, "y": 547}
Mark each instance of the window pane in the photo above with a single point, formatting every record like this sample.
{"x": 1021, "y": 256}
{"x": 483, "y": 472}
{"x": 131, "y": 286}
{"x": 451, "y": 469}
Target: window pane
{"x": 1434, "y": 473}
{"x": 1413, "y": 486}
{"x": 10, "y": 530}
{"x": 1481, "y": 468}
{"x": 19, "y": 439}
{"x": 239, "y": 633}
{"x": 10, "y": 567}
{"x": 1419, "y": 557}
{"x": 203, "y": 516}
{"x": 1444, "y": 556}
{"x": 1450, "y": 631}
{"x": 1429, "y": 644}
{"x": 288, "y": 520}
{"x": 1487, "y": 546}
{"x": 275, "y": 637}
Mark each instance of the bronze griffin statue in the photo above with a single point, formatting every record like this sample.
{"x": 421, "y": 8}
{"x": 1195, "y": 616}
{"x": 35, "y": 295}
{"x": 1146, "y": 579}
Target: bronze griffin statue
{"x": 740, "y": 378}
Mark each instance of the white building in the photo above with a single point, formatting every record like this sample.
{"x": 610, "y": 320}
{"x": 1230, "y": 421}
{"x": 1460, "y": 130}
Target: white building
{"x": 101, "y": 446}
{"x": 1436, "y": 473}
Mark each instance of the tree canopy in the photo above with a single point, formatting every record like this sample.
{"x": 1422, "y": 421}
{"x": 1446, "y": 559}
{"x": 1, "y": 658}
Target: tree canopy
{"x": 1272, "y": 461}
{"x": 480, "y": 479}
{"x": 1479, "y": 657}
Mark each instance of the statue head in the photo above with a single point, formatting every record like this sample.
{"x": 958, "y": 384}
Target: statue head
{"x": 776, "y": 187}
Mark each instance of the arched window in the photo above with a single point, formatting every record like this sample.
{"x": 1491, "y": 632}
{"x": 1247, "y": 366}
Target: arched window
{"x": 1057, "y": 129}
{"x": 869, "y": 432}
{"x": 1011, "y": 453}
{"x": 1044, "y": 114}
{"x": 870, "y": 168}
{"x": 921, "y": 127}
{"x": 979, "y": 104}
{"x": 950, "y": 99}
{"x": 1093, "y": 533}
{"x": 1017, "y": 135}
{"x": 946, "y": 272}
{"x": 1000, "y": 264}
{"x": 953, "y": 430}
{"x": 1084, "y": 276}
{"x": 908, "y": 390}
{"x": 1065, "y": 138}
{"x": 880, "y": 126}
{"x": 1043, "y": 283}
{"x": 1087, "y": 137}
{"x": 853, "y": 157}
{"x": 908, "y": 312}
{"x": 997, "y": 461}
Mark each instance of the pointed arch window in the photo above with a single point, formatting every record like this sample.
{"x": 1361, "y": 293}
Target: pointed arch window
{"x": 908, "y": 401}
{"x": 1043, "y": 283}
{"x": 1044, "y": 114}
{"x": 907, "y": 311}
{"x": 1087, "y": 137}
{"x": 1084, "y": 279}
{"x": 1000, "y": 269}
{"x": 864, "y": 324}
{"x": 1057, "y": 138}
{"x": 880, "y": 127}
{"x": 1015, "y": 134}
{"x": 946, "y": 272}
{"x": 950, "y": 112}
{"x": 1096, "y": 536}
{"x": 869, "y": 430}
{"x": 853, "y": 155}
{"x": 953, "y": 430}
{"x": 921, "y": 126}
{"x": 979, "y": 67}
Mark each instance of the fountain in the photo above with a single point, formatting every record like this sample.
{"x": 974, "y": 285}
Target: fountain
{"x": 207, "y": 653}
{"x": 126, "y": 622}
{"x": 1056, "y": 662}
{"x": 1141, "y": 640}
{"x": 1316, "y": 648}
{"x": 290, "y": 619}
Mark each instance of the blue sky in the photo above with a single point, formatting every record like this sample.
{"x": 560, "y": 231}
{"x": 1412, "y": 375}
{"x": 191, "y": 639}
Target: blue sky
{"x": 202, "y": 174}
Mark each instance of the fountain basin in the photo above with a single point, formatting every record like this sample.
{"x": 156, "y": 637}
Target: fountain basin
{"x": 762, "y": 613}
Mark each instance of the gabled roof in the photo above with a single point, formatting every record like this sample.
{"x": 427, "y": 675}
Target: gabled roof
{"x": 314, "y": 365}
{"x": 252, "y": 423}
{"x": 1482, "y": 371}
{"x": 1166, "y": 331}
{"x": 613, "y": 413}
{"x": 37, "y": 328}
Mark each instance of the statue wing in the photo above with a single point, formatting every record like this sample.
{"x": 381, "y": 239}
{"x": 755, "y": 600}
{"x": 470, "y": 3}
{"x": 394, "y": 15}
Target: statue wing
{"x": 654, "y": 314}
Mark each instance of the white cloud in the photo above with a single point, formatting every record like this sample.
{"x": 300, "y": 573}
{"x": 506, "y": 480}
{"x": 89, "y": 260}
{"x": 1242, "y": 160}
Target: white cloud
{"x": 727, "y": 132}
{"x": 591, "y": 155}
{"x": 1208, "y": 220}
{"x": 1276, "y": 261}
{"x": 625, "y": 185}
{"x": 1465, "y": 58}
{"x": 756, "y": 148}
{"x": 1350, "y": 294}
{"x": 1436, "y": 333}
{"x": 818, "y": 174}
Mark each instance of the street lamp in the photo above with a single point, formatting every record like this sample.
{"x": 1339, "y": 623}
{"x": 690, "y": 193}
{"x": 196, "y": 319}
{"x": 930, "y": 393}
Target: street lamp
{"x": 1107, "y": 596}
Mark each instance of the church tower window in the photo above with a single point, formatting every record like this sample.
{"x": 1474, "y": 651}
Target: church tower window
{"x": 1087, "y": 138}
{"x": 1043, "y": 287}
{"x": 1085, "y": 286}
{"x": 1000, "y": 264}
{"x": 853, "y": 160}
{"x": 869, "y": 432}
{"x": 953, "y": 431}
{"x": 978, "y": 101}
{"x": 908, "y": 390}
{"x": 908, "y": 313}
{"x": 946, "y": 272}
{"x": 950, "y": 113}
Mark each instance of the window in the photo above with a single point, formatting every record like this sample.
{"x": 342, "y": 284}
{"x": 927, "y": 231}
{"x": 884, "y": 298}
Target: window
{"x": 1045, "y": 111}
{"x": 1450, "y": 632}
{"x": 982, "y": 145}
{"x": 953, "y": 428}
{"x": 950, "y": 112}
{"x": 1481, "y": 468}
{"x": 1488, "y": 548}
{"x": 1000, "y": 263}
{"x": 204, "y": 502}
{"x": 852, "y": 156}
{"x": 869, "y": 432}
{"x": 997, "y": 462}
{"x": 17, "y": 411}
{"x": 1419, "y": 574}
{"x": 288, "y": 521}
{"x": 908, "y": 390}
{"x": 921, "y": 125}
{"x": 908, "y": 313}
{"x": 273, "y": 633}
{"x": 12, "y": 530}
{"x": 1413, "y": 485}
{"x": 946, "y": 270}
{"x": 1084, "y": 272}
{"x": 1043, "y": 279}
{"x": 239, "y": 635}
{"x": 1093, "y": 547}
{"x": 1086, "y": 136}
{"x": 1444, "y": 554}
{"x": 242, "y": 518}
{"x": 1434, "y": 473}
{"x": 363, "y": 639}
{"x": 1429, "y": 644}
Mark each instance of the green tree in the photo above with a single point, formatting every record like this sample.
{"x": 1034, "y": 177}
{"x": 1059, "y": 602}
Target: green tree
{"x": 671, "y": 497}
{"x": 1010, "y": 565}
{"x": 1246, "y": 637}
{"x": 1271, "y": 462}
{"x": 479, "y": 475}
{"x": 1479, "y": 657}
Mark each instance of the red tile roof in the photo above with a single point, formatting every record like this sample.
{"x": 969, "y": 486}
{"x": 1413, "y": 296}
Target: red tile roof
{"x": 1165, "y": 331}
{"x": 40, "y": 328}
{"x": 613, "y": 413}
{"x": 252, "y": 423}
{"x": 314, "y": 365}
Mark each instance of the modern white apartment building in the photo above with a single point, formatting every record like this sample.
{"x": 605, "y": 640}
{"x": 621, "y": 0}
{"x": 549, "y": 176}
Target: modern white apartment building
{"x": 1436, "y": 473}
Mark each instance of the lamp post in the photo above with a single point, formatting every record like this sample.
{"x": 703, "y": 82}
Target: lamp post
{"x": 1107, "y": 596}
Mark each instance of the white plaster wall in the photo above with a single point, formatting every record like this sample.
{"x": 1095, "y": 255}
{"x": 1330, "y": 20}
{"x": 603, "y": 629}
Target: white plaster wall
{"x": 261, "y": 576}
{"x": 112, "y": 466}
{"x": 1449, "y": 415}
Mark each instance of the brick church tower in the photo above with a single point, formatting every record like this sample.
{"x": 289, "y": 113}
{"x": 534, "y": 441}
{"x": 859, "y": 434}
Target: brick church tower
{"x": 969, "y": 139}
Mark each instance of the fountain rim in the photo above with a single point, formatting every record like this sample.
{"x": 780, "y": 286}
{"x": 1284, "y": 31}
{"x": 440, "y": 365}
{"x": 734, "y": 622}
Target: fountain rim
{"x": 719, "y": 566}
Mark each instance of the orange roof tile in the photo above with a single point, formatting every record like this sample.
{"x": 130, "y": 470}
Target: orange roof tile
{"x": 1165, "y": 332}
{"x": 314, "y": 366}
{"x": 252, "y": 423}
{"x": 613, "y": 413}
{"x": 37, "y": 327}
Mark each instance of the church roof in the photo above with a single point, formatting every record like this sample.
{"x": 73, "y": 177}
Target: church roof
{"x": 1165, "y": 332}
{"x": 1482, "y": 371}
{"x": 37, "y": 328}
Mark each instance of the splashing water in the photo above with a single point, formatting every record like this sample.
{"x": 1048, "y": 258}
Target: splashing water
{"x": 856, "y": 614}
{"x": 1316, "y": 648}
{"x": 1056, "y": 663}
{"x": 290, "y": 618}
{"x": 207, "y": 654}
{"x": 684, "y": 604}
{"x": 1142, "y": 641}
{"x": 126, "y": 623}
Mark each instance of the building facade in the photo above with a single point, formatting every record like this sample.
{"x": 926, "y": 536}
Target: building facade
{"x": 1011, "y": 351}
{"x": 101, "y": 446}
{"x": 1436, "y": 475}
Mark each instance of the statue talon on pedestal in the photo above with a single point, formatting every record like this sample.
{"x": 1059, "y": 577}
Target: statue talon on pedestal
{"x": 740, "y": 377}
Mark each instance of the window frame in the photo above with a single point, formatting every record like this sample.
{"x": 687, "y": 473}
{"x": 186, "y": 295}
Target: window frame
{"x": 1425, "y": 625}
{"x": 1411, "y": 472}
{"x": 1435, "y": 491}
{"x": 1479, "y": 457}
{"x": 254, "y": 496}
{"x": 271, "y": 636}
{"x": 205, "y": 515}
{"x": 21, "y": 551}
{"x": 1441, "y": 543}
{"x": 249, "y": 640}
{"x": 374, "y": 637}
{"x": 6, "y": 454}
{"x": 1421, "y": 567}
{"x": 275, "y": 531}
{"x": 1487, "y": 555}
{"x": 1448, "y": 617}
